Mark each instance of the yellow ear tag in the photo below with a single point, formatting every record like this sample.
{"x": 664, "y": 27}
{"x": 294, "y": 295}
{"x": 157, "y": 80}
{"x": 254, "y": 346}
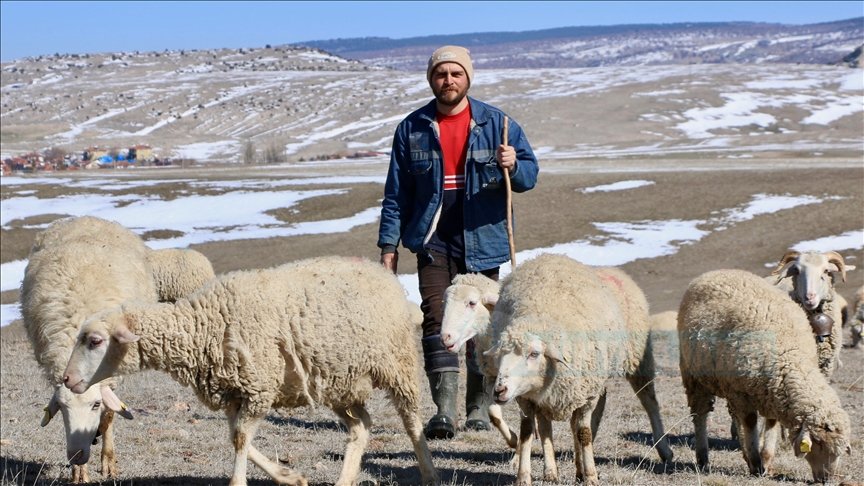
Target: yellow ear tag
{"x": 805, "y": 445}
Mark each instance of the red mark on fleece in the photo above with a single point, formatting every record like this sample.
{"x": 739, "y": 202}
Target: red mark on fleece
{"x": 615, "y": 280}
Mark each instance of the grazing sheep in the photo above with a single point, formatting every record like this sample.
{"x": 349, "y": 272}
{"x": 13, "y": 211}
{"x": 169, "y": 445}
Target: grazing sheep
{"x": 855, "y": 320}
{"x": 560, "y": 330}
{"x": 178, "y": 272}
{"x": 743, "y": 340}
{"x": 319, "y": 331}
{"x": 76, "y": 267}
{"x": 808, "y": 278}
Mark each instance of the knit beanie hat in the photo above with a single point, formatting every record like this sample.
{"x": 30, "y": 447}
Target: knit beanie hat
{"x": 459, "y": 55}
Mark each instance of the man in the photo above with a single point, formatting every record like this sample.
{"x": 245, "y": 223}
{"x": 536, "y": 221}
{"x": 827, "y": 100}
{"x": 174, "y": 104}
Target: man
{"x": 445, "y": 200}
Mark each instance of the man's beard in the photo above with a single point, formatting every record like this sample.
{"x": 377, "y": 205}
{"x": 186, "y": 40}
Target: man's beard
{"x": 450, "y": 97}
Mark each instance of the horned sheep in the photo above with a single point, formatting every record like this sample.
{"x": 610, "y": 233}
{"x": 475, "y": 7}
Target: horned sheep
{"x": 808, "y": 278}
{"x": 560, "y": 330}
{"x": 743, "y": 340}
{"x": 76, "y": 267}
{"x": 319, "y": 331}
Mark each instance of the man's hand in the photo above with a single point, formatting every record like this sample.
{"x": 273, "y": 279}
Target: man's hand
{"x": 506, "y": 156}
{"x": 390, "y": 261}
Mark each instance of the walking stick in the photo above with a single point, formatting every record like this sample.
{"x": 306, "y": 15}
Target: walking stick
{"x": 505, "y": 138}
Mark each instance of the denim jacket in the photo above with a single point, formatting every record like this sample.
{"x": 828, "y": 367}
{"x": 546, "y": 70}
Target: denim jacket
{"x": 415, "y": 184}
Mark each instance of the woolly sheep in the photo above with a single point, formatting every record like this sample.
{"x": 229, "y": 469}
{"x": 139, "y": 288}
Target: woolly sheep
{"x": 855, "y": 320}
{"x": 559, "y": 332}
{"x": 467, "y": 312}
{"x": 178, "y": 272}
{"x": 320, "y": 331}
{"x": 76, "y": 267}
{"x": 808, "y": 278}
{"x": 743, "y": 340}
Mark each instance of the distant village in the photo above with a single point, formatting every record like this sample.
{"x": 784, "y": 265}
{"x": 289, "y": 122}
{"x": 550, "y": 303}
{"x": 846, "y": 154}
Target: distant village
{"x": 55, "y": 159}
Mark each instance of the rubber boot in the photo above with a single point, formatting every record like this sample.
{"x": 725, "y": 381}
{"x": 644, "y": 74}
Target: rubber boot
{"x": 444, "y": 387}
{"x": 476, "y": 403}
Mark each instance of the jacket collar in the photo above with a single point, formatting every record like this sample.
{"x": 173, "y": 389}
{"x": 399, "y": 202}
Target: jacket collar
{"x": 479, "y": 113}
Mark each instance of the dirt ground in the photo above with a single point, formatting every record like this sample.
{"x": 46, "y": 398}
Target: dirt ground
{"x": 175, "y": 440}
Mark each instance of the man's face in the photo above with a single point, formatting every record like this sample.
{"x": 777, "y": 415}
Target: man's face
{"x": 449, "y": 83}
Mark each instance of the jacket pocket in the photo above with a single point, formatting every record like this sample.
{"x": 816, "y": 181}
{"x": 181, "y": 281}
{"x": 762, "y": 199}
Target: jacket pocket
{"x": 488, "y": 174}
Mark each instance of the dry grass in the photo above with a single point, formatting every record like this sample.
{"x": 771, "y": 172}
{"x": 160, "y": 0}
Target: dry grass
{"x": 174, "y": 440}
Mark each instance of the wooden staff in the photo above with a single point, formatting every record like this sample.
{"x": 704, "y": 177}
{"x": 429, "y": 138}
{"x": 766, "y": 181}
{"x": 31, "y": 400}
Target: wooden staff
{"x": 505, "y": 141}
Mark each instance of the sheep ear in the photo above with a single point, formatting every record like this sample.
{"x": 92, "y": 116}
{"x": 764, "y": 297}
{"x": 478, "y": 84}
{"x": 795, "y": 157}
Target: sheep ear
{"x": 802, "y": 443}
{"x": 51, "y": 409}
{"x": 552, "y": 352}
{"x": 122, "y": 332}
{"x": 493, "y": 351}
{"x": 124, "y": 336}
{"x": 110, "y": 399}
{"x": 490, "y": 299}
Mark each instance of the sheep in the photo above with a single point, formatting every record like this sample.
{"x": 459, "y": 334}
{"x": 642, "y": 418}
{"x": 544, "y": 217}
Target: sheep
{"x": 559, "y": 331}
{"x": 319, "y": 331}
{"x": 178, "y": 272}
{"x": 467, "y": 312}
{"x": 76, "y": 267}
{"x": 743, "y": 340}
{"x": 855, "y": 321}
{"x": 808, "y": 278}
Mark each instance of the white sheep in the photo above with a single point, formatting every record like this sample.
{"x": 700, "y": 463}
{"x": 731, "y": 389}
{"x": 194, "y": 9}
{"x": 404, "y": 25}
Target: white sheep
{"x": 319, "y": 331}
{"x": 808, "y": 278}
{"x": 743, "y": 340}
{"x": 471, "y": 298}
{"x": 559, "y": 332}
{"x": 178, "y": 272}
{"x": 855, "y": 321}
{"x": 76, "y": 267}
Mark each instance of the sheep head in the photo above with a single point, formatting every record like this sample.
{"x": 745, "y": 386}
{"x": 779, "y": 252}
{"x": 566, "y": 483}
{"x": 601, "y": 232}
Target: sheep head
{"x": 822, "y": 445}
{"x": 468, "y": 305}
{"x": 99, "y": 350}
{"x": 812, "y": 275}
{"x": 523, "y": 366}
{"x": 82, "y": 416}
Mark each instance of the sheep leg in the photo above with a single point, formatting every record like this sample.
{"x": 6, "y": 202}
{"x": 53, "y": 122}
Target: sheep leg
{"x": 769, "y": 443}
{"x": 580, "y": 424}
{"x": 523, "y": 451}
{"x": 106, "y": 428}
{"x": 643, "y": 385}
{"x": 281, "y": 475}
{"x": 496, "y": 417}
{"x": 701, "y": 403}
{"x": 408, "y": 412}
{"x": 749, "y": 438}
{"x": 597, "y": 414}
{"x": 241, "y": 429}
{"x": 550, "y": 467}
{"x": 79, "y": 474}
{"x": 357, "y": 420}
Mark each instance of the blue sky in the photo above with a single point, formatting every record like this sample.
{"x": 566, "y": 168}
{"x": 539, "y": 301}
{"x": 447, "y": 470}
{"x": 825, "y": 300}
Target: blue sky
{"x": 31, "y": 28}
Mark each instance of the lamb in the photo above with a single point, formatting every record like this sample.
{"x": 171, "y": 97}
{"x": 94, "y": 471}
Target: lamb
{"x": 178, "y": 272}
{"x": 808, "y": 278}
{"x": 559, "y": 332}
{"x": 76, "y": 267}
{"x": 318, "y": 331}
{"x": 743, "y": 340}
{"x": 467, "y": 312}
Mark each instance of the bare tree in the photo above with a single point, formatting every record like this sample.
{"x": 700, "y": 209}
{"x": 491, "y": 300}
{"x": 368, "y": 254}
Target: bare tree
{"x": 249, "y": 153}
